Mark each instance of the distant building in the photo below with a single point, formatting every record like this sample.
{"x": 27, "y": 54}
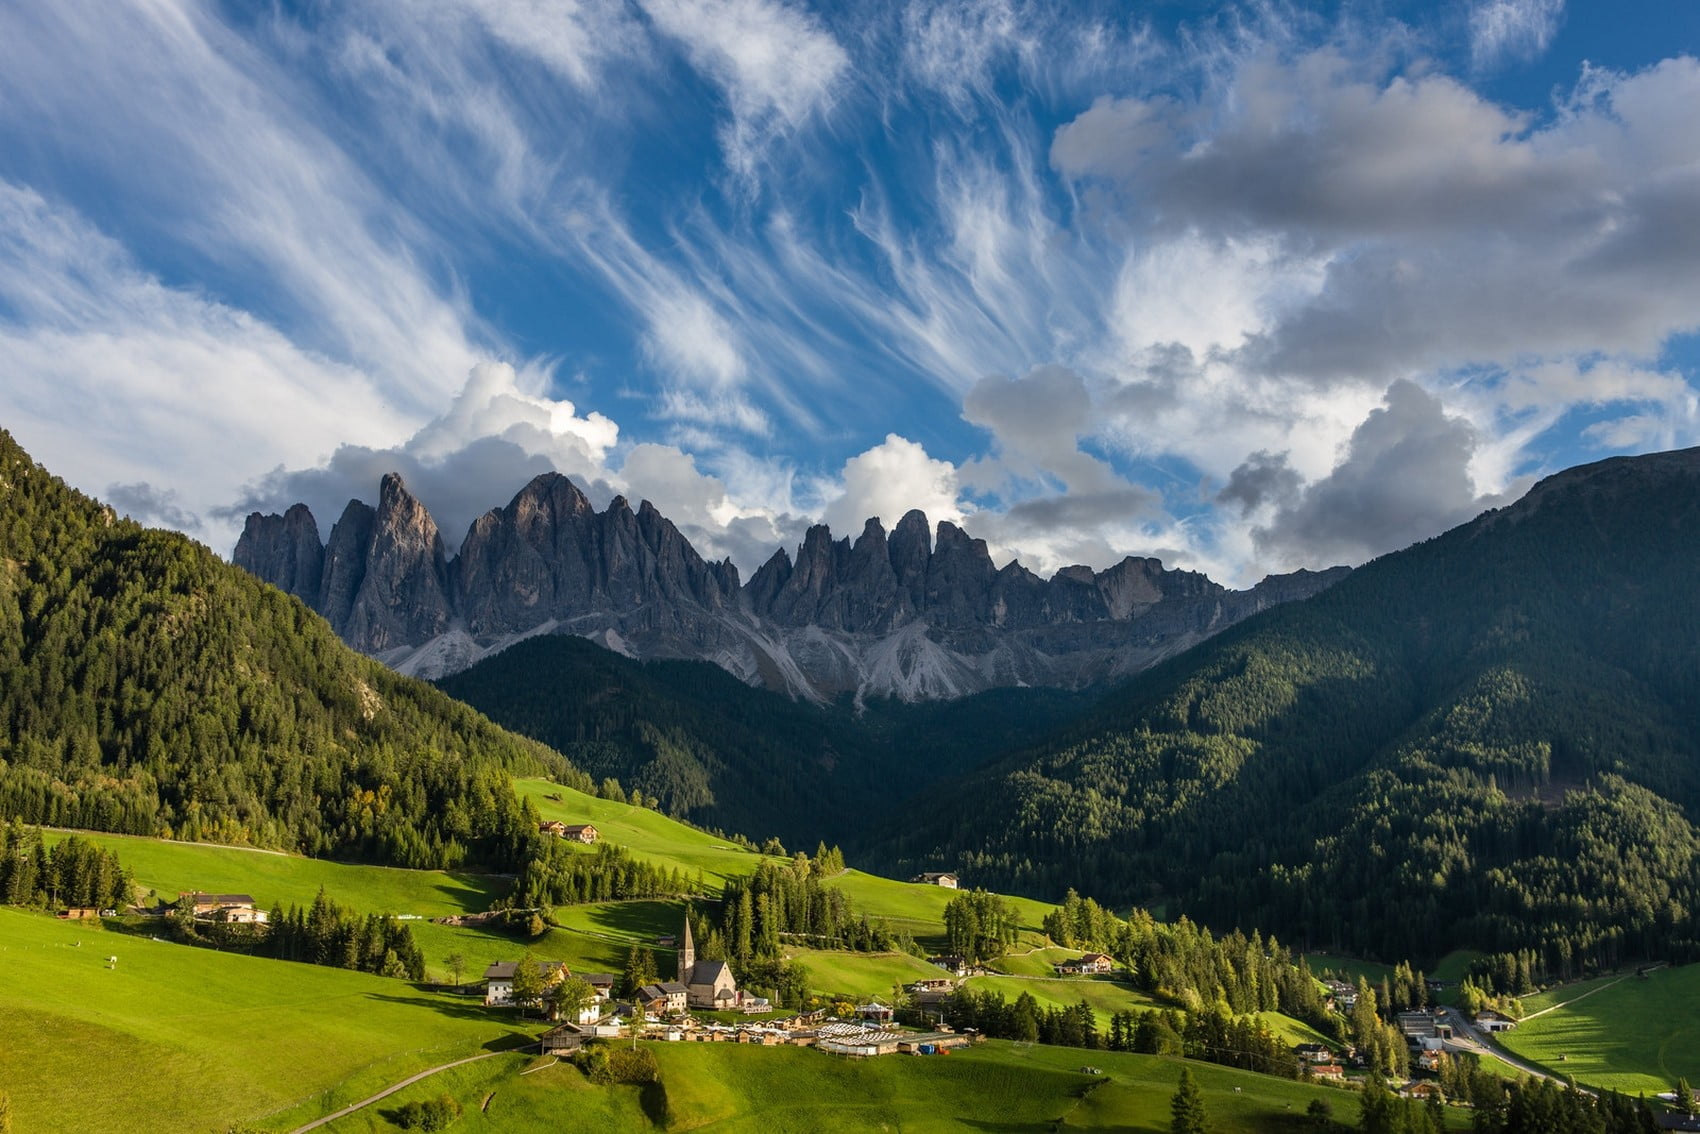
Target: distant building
{"x": 1418, "y": 1025}
{"x": 499, "y": 980}
{"x": 665, "y": 999}
{"x": 936, "y": 878}
{"x": 951, "y": 963}
{"x": 710, "y": 984}
{"x": 1089, "y": 964}
{"x": 579, "y": 832}
{"x": 235, "y": 908}
{"x": 1314, "y": 1053}
{"x": 874, "y": 1013}
{"x": 562, "y": 1039}
{"x": 552, "y": 827}
{"x": 1490, "y": 1021}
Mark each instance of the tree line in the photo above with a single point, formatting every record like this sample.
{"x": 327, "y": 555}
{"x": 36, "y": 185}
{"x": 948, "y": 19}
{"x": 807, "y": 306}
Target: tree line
{"x": 75, "y": 872}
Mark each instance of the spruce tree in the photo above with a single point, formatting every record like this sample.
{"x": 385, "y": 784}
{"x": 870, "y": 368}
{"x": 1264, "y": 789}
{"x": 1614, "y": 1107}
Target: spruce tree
{"x": 1187, "y": 1107}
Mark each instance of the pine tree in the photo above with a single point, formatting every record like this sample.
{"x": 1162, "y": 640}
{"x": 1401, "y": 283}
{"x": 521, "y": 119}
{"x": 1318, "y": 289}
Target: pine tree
{"x": 1187, "y": 1107}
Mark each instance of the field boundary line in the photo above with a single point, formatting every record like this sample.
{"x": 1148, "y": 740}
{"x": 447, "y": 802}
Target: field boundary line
{"x": 1584, "y": 996}
{"x": 390, "y": 1090}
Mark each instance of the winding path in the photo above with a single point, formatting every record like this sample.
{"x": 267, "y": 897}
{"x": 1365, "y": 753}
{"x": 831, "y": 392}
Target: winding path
{"x": 390, "y": 1090}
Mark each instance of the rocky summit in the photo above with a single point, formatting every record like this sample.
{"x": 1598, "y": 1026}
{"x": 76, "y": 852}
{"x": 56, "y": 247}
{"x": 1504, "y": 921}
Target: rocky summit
{"x": 913, "y": 615}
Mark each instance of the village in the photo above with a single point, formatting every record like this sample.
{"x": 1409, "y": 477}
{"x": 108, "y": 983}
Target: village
{"x": 701, "y": 1003}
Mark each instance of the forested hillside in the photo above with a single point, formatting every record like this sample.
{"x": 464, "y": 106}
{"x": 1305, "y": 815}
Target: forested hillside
{"x": 146, "y": 687}
{"x": 715, "y": 751}
{"x": 1490, "y": 739}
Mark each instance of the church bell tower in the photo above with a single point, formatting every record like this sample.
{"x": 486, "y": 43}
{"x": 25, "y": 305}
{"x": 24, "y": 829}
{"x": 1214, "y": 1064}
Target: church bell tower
{"x": 687, "y": 953}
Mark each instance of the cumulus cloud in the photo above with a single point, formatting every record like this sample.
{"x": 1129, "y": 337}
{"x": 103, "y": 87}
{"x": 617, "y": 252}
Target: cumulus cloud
{"x": 1405, "y": 476}
{"x": 496, "y": 434}
{"x": 1400, "y": 206}
{"x": 1262, "y": 478}
{"x": 890, "y": 479}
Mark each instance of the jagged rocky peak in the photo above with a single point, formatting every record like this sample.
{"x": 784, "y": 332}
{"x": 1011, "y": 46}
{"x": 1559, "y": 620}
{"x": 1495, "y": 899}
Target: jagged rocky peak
{"x": 919, "y": 612}
{"x": 404, "y": 597}
{"x": 285, "y": 550}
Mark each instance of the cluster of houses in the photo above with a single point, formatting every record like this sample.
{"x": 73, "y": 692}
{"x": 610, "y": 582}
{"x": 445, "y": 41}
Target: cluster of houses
{"x": 858, "y": 1039}
{"x": 701, "y": 985}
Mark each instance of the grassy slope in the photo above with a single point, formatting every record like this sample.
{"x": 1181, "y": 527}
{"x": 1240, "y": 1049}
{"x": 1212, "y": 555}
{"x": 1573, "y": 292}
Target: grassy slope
{"x": 1636, "y": 1035}
{"x": 656, "y": 838}
{"x": 728, "y": 1089}
{"x": 190, "y": 1039}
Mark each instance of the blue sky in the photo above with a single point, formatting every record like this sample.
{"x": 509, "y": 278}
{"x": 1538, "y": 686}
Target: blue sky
{"x": 1246, "y": 287}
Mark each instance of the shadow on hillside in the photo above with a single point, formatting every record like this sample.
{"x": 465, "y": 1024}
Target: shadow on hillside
{"x": 469, "y": 1009}
{"x": 645, "y": 920}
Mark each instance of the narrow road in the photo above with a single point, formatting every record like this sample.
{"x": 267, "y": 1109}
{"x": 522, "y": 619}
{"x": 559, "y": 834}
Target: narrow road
{"x": 1477, "y": 1042}
{"x": 388, "y": 1091}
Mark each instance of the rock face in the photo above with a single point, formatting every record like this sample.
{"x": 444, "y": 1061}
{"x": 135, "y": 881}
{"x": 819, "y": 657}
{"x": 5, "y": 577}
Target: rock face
{"x": 905, "y": 616}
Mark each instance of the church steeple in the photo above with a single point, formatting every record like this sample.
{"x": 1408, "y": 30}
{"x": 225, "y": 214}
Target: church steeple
{"x": 687, "y": 953}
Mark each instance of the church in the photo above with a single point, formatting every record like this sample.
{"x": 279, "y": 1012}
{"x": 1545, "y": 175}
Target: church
{"x": 708, "y": 984}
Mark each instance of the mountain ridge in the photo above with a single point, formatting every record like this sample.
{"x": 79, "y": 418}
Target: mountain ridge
{"x": 905, "y": 615}
{"x": 1488, "y": 739}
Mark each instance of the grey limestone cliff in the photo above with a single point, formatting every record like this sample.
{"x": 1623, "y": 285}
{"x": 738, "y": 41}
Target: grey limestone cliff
{"x": 915, "y": 614}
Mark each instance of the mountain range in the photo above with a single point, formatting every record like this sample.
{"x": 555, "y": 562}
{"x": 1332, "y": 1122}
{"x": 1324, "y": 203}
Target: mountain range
{"x": 1488, "y": 740}
{"x": 907, "y": 615}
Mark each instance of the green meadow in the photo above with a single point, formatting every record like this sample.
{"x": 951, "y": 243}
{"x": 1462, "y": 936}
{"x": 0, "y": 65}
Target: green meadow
{"x": 175, "y": 1038}
{"x": 730, "y": 1089}
{"x": 647, "y": 834}
{"x": 1634, "y": 1035}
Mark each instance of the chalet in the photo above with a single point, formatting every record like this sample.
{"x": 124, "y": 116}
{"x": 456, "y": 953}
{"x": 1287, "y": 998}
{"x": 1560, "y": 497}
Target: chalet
{"x": 562, "y": 1039}
{"x": 951, "y": 963}
{"x": 234, "y": 908}
{"x": 936, "y": 878}
{"x": 1344, "y": 995}
{"x": 601, "y": 984}
{"x": 1330, "y": 1071}
{"x": 665, "y": 999}
{"x": 1490, "y": 1021}
{"x": 1420, "y": 1089}
{"x": 499, "y": 980}
{"x": 753, "y": 1005}
{"x": 931, "y": 984}
{"x": 579, "y": 833}
{"x": 553, "y": 827}
{"x": 1314, "y": 1053}
{"x": 1089, "y": 964}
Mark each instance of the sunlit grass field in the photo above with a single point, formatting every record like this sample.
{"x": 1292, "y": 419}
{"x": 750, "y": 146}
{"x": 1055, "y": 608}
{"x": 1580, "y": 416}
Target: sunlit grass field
{"x": 1635, "y": 1035}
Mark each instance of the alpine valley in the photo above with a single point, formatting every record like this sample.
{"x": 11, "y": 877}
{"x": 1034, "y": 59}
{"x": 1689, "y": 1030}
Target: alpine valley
{"x": 1474, "y": 756}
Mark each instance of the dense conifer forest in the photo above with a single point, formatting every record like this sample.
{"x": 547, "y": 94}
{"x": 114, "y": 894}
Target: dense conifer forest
{"x": 709, "y": 749}
{"x": 146, "y": 687}
{"x": 1491, "y": 739}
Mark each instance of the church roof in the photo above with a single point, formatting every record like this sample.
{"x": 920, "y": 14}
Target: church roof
{"x": 706, "y": 971}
